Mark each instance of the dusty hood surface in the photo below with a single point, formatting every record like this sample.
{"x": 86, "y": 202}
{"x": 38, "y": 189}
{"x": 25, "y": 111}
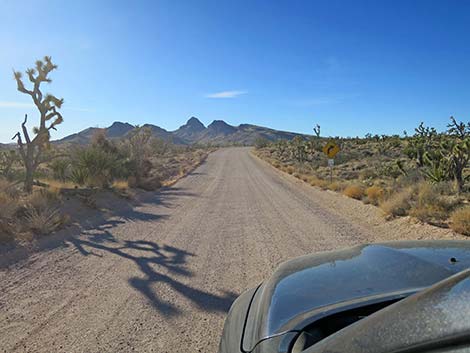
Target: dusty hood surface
{"x": 307, "y": 288}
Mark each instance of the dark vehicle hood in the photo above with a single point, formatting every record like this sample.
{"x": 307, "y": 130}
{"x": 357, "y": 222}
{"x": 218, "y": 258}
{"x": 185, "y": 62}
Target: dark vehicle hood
{"x": 433, "y": 320}
{"x": 305, "y": 289}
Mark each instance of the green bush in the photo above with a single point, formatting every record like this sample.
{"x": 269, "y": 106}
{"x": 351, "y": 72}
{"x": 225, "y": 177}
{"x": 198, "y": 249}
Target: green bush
{"x": 60, "y": 169}
{"x": 96, "y": 167}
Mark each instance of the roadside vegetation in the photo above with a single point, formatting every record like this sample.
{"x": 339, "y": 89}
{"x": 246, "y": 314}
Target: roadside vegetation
{"x": 426, "y": 175}
{"x": 39, "y": 177}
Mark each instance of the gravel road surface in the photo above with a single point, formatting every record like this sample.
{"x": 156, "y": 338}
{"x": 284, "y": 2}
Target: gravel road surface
{"x": 162, "y": 276}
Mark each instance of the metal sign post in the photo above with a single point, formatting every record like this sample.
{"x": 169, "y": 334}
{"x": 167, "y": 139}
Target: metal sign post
{"x": 331, "y": 163}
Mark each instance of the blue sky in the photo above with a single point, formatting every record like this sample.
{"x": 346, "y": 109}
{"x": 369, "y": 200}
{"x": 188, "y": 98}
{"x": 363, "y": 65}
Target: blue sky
{"x": 352, "y": 66}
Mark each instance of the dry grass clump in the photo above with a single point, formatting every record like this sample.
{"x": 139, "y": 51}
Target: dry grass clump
{"x": 321, "y": 183}
{"x": 460, "y": 220}
{"x": 337, "y": 186}
{"x": 305, "y": 178}
{"x": 122, "y": 188}
{"x": 9, "y": 188}
{"x": 58, "y": 184}
{"x": 375, "y": 194}
{"x": 354, "y": 191}
{"x": 36, "y": 213}
{"x": 398, "y": 204}
{"x": 121, "y": 184}
{"x": 43, "y": 198}
{"x": 290, "y": 169}
{"x": 40, "y": 213}
{"x": 8, "y": 209}
{"x": 44, "y": 221}
{"x": 431, "y": 206}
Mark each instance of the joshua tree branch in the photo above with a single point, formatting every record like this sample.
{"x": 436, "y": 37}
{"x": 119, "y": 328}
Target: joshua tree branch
{"x": 20, "y": 144}
{"x": 25, "y": 130}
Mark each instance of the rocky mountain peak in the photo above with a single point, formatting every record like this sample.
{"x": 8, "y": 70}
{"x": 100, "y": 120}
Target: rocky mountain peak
{"x": 221, "y": 127}
{"x": 118, "y": 129}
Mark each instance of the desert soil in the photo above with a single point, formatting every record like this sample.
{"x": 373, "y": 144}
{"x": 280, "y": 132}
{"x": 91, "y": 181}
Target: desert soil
{"x": 161, "y": 277}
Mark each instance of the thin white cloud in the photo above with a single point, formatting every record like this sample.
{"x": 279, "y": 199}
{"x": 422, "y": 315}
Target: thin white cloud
{"x": 225, "y": 94}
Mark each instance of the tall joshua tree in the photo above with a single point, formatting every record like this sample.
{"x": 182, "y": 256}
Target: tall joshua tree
{"x": 32, "y": 149}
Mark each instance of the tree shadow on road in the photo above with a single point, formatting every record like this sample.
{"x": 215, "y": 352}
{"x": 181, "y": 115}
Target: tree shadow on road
{"x": 93, "y": 236}
{"x": 110, "y": 212}
{"x": 152, "y": 260}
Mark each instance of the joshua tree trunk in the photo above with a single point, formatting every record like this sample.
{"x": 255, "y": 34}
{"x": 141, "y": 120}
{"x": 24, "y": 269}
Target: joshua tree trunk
{"x": 28, "y": 180}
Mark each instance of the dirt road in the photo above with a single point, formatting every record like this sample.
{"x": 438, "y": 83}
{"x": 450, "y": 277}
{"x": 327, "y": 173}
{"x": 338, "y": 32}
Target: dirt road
{"x": 161, "y": 277}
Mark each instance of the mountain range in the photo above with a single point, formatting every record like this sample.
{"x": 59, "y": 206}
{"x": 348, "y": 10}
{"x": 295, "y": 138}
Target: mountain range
{"x": 218, "y": 132}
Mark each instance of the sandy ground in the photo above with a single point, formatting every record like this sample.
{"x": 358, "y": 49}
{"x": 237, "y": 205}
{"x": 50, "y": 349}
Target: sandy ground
{"x": 162, "y": 276}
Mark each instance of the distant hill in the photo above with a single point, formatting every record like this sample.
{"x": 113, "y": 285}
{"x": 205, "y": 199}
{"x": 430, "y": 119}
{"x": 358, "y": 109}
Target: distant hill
{"x": 117, "y": 130}
{"x": 7, "y": 146}
{"x": 190, "y": 131}
{"x": 218, "y": 132}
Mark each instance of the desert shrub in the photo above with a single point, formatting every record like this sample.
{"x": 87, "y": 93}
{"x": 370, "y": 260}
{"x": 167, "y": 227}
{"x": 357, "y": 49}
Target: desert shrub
{"x": 42, "y": 199}
{"x": 460, "y": 220}
{"x": 138, "y": 149}
{"x": 412, "y": 177}
{"x": 368, "y": 173}
{"x": 398, "y": 204}
{"x": 79, "y": 176}
{"x": 8, "y": 161}
{"x": 60, "y": 169}
{"x": 305, "y": 178}
{"x": 121, "y": 184}
{"x": 337, "y": 186}
{"x": 321, "y": 183}
{"x": 430, "y": 205}
{"x": 122, "y": 189}
{"x": 429, "y": 213}
{"x": 132, "y": 181}
{"x": 389, "y": 170}
{"x": 375, "y": 194}
{"x": 58, "y": 185}
{"x": 261, "y": 142}
{"x": 290, "y": 169}
{"x": 314, "y": 181}
{"x": 150, "y": 184}
{"x": 45, "y": 221}
{"x": 97, "y": 167}
{"x": 9, "y": 188}
{"x": 8, "y": 208}
{"x": 354, "y": 191}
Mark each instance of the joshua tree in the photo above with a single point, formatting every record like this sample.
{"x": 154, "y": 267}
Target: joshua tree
{"x": 458, "y": 150}
{"x": 32, "y": 149}
{"x": 316, "y": 130}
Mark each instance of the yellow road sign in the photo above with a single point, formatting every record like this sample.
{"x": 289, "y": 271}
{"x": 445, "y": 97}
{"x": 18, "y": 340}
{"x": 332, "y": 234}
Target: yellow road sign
{"x": 331, "y": 149}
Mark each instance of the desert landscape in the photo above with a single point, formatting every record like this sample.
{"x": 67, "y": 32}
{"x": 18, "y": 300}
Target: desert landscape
{"x": 234, "y": 176}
